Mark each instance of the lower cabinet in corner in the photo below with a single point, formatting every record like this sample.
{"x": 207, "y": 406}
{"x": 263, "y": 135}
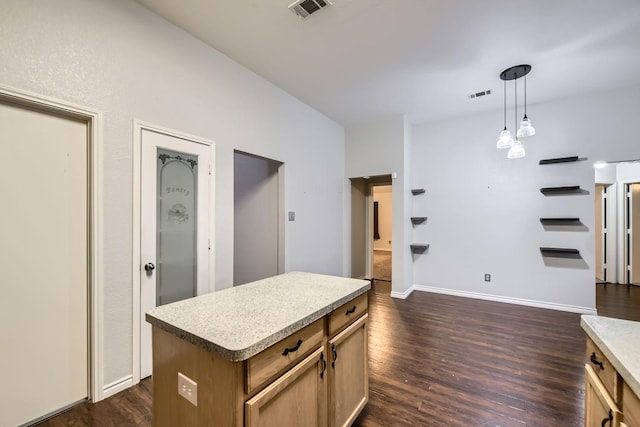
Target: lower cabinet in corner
{"x": 348, "y": 374}
{"x": 600, "y": 409}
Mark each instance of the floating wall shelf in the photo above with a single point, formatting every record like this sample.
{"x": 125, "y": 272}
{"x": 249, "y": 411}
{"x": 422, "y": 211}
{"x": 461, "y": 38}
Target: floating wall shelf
{"x": 418, "y": 219}
{"x": 561, "y": 190}
{"x": 419, "y": 247}
{"x": 560, "y": 252}
{"x": 560, "y": 221}
{"x": 417, "y": 191}
{"x": 558, "y": 160}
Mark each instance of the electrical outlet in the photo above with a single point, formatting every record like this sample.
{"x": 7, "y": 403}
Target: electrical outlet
{"x": 487, "y": 277}
{"x": 292, "y": 216}
{"x": 188, "y": 389}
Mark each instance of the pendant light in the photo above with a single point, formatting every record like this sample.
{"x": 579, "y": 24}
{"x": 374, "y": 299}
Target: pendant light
{"x": 517, "y": 150}
{"x": 526, "y": 129}
{"x": 505, "y": 140}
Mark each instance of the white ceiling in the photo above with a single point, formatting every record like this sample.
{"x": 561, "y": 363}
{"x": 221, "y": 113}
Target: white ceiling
{"x": 359, "y": 60}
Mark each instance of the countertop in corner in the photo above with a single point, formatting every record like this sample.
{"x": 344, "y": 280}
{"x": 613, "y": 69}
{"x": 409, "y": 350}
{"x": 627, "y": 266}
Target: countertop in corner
{"x": 619, "y": 340}
{"x": 239, "y": 322}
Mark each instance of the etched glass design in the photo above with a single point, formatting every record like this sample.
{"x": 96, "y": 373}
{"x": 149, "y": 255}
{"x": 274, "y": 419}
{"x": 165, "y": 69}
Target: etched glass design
{"x": 176, "y": 226}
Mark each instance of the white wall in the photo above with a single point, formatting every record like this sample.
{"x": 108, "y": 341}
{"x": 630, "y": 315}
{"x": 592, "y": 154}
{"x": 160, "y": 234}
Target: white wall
{"x": 119, "y": 58}
{"x": 382, "y": 148}
{"x": 484, "y": 209}
{"x": 383, "y": 195}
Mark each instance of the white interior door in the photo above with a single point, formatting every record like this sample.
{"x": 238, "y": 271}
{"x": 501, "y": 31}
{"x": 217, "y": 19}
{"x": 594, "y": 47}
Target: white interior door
{"x": 43, "y": 263}
{"x": 634, "y": 233}
{"x": 600, "y": 230}
{"x": 174, "y": 193}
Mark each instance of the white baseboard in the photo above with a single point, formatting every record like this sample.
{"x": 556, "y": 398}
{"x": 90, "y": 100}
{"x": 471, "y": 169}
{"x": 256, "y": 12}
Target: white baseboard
{"x": 508, "y": 300}
{"x": 117, "y": 386}
{"x": 403, "y": 295}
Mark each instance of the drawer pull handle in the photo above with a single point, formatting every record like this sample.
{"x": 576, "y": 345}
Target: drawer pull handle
{"x": 292, "y": 349}
{"x": 609, "y": 419}
{"x": 324, "y": 364}
{"x": 595, "y": 361}
{"x": 351, "y": 310}
{"x": 335, "y": 355}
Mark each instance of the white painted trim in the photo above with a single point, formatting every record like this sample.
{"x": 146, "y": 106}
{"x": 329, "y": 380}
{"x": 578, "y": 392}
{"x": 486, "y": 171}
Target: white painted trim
{"x": 94, "y": 120}
{"x": 138, "y": 126}
{"x": 508, "y": 300}
{"x": 117, "y": 386}
{"x": 403, "y": 295}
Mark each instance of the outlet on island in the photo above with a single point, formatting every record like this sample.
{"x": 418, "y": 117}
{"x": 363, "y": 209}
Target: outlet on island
{"x": 188, "y": 389}
{"x": 487, "y": 277}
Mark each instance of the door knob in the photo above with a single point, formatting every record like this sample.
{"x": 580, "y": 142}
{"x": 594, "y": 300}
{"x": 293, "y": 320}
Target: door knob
{"x": 149, "y": 267}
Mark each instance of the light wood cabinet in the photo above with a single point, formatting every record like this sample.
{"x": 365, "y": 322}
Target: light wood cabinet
{"x": 609, "y": 401}
{"x": 297, "y": 398}
{"x": 348, "y": 374}
{"x": 600, "y": 409}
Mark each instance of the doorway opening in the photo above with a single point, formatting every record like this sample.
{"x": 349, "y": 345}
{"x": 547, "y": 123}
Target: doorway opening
{"x": 382, "y": 231}
{"x": 258, "y": 232}
{"x": 371, "y": 227}
{"x": 617, "y": 232}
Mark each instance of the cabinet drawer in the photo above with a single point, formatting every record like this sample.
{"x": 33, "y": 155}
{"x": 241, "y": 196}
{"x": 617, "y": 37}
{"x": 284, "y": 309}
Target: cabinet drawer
{"x": 630, "y": 407}
{"x": 342, "y": 316}
{"x": 604, "y": 370}
{"x": 269, "y": 362}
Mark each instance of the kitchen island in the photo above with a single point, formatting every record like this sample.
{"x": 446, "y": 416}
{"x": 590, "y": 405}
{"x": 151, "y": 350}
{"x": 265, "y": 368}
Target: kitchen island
{"x": 290, "y": 350}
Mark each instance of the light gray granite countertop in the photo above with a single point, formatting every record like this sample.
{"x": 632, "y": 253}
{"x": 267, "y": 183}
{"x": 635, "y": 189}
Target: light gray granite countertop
{"x": 239, "y": 322}
{"x": 619, "y": 340}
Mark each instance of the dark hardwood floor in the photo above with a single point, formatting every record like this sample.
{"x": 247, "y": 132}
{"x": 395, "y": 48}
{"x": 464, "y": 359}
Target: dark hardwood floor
{"x": 621, "y": 301}
{"x": 438, "y": 360}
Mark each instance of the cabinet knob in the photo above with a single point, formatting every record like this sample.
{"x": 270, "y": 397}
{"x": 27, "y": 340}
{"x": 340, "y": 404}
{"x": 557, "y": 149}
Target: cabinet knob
{"x": 596, "y": 362}
{"x": 292, "y": 349}
{"x": 324, "y": 364}
{"x": 335, "y": 355}
{"x": 149, "y": 267}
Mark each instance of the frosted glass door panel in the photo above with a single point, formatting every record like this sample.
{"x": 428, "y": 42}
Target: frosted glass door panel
{"x": 176, "y": 226}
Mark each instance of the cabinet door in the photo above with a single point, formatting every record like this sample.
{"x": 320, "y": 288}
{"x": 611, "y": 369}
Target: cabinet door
{"x": 297, "y": 398}
{"x": 348, "y": 374}
{"x": 600, "y": 409}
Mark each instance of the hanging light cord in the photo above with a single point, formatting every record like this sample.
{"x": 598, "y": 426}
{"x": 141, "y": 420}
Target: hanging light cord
{"x": 515, "y": 83}
{"x": 525, "y": 95}
{"x": 505, "y": 104}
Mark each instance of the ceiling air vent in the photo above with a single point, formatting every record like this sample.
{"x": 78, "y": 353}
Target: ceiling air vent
{"x": 479, "y": 94}
{"x": 304, "y": 8}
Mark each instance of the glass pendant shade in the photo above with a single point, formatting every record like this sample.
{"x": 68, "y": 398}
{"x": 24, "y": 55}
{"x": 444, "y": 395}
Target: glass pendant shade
{"x": 516, "y": 151}
{"x": 526, "y": 129}
{"x": 505, "y": 140}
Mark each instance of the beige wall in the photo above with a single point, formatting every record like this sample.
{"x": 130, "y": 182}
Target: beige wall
{"x": 383, "y": 195}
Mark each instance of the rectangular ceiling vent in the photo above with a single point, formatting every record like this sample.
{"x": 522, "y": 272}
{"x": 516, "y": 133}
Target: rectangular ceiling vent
{"x": 304, "y": 8}
{"x": 479, "y": 94}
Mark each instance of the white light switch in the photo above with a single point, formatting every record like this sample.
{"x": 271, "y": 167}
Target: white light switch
{"x": 188, "y": 389}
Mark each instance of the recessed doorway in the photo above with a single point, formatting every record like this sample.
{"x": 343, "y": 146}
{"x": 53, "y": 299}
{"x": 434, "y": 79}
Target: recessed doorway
{"x": 258, "y": 232}
{"x": 382, "y": 231}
